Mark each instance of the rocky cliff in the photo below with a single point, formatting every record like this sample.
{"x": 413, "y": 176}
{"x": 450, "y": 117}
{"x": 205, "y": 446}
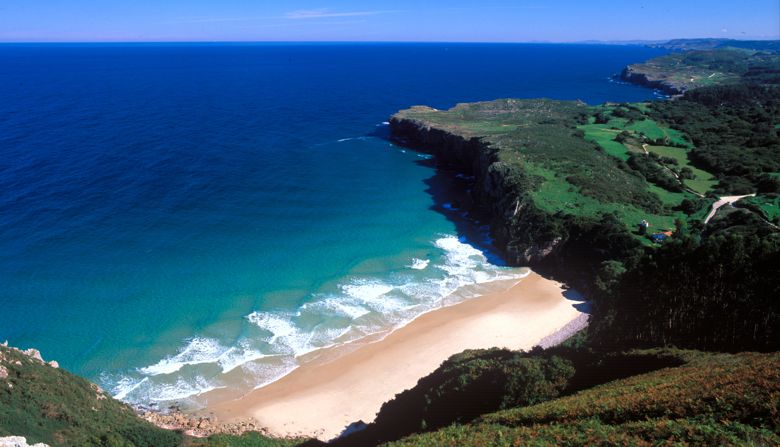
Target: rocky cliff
{"x": 635, "y": 74}
{"x": 520, "y": 229}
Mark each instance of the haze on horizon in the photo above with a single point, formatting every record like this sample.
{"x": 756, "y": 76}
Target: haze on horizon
{"x": 401, "y": 20}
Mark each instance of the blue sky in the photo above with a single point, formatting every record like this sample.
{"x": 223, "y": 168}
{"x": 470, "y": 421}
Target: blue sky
{"x": 398, "y": 20}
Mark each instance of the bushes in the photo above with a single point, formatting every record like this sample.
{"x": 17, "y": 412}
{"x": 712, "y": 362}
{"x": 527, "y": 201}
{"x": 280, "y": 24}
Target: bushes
{"x": 53, "y": 406}
{"x": 712, "y": 399}
{"x": 654, "y": 172}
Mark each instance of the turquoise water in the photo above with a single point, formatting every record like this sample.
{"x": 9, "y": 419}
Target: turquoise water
{"x": 175, "y": 218}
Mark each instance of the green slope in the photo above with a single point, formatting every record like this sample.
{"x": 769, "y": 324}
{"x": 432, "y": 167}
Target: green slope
{"x": 53, "y": 406}
{"x": 715, "y": 399}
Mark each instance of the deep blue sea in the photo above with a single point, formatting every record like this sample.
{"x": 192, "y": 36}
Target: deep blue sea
{"x": 179, "y": 217}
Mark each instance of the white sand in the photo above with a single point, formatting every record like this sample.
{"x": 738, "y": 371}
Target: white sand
{"x": 350, "y": 383}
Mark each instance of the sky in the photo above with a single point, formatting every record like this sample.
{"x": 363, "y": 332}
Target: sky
{"x": 397, "y": 20}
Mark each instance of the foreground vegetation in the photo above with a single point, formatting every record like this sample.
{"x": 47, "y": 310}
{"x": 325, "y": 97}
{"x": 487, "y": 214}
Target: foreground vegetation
{"x": 713, "y": 399}
{"x": 50, "y": 405}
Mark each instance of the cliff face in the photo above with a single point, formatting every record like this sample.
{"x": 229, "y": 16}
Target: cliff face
{"x": 636, "y": 75}
{"x": 519, "y": 228}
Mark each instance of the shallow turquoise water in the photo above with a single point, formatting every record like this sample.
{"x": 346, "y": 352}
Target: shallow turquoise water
{"x": 170, "y": 214}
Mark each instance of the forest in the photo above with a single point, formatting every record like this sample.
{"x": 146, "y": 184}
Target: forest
{"x": 734, "y": 132}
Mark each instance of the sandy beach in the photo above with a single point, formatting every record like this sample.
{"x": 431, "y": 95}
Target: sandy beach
{"x": 350, "y": 383}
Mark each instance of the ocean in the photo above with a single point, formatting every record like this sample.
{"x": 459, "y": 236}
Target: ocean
{"x": 176, "y": 218}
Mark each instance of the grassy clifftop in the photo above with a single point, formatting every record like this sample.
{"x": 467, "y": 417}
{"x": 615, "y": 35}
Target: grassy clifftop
{"x": 564, "y": 157}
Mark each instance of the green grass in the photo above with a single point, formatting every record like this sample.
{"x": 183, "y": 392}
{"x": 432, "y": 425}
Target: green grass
{"x": 559, "y": 169}
{"x": 642, "y": 106}
{"x": 704, "y": 181}
{"x": 604, "y": 136}
{"x": 648, "y": 128}
{"x": 768, "y": 205}
{"x": 593, "y": 432}
{"x": 555, "y": 194}
{"x": 245, "y": 440}
{"x": 669, "y": 198}
{"x": 715, "y": 399}
{"x": 695, "y": 69}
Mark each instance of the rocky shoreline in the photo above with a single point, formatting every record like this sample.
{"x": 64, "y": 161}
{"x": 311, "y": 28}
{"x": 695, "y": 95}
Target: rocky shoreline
{"x": 198, "y": 426}
{"x": 635, "y": 75}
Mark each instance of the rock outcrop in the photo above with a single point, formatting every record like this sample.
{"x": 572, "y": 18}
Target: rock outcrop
{"x": 199, "y": 426}
{"x": 33, "y": 354}
{"x": 18, "y": 441}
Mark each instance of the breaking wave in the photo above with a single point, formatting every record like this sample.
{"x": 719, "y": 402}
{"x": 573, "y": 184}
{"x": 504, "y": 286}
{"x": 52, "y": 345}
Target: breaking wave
{"x": 359, "y": 306}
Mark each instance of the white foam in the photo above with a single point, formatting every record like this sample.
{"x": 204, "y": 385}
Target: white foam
{"x": 419, "y": 264}
{"x": 353, "y": 311}
{"x": 239, "y": 355}
{"x": 374, "y": 295}
{"x": 344, "y": 139}
{"x": 127, "y": 385}
{"x": 265, "y": 374}
{"x": 181, "y": 389}
{"x": 366, "y": 290}
{"x": 286, "y": 337}
{"x": 277, "y": 325}
{"x": 198, "y": 350}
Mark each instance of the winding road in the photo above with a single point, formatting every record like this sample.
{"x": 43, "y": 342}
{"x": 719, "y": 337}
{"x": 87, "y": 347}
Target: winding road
{"x": 723, "y": 201}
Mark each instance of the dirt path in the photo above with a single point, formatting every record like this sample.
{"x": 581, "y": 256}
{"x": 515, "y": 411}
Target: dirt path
{"x": 723, "y": 201}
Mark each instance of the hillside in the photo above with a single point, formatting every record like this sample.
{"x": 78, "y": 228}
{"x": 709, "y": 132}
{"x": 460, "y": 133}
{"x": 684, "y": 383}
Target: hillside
{"x": 714, "y": 399}
{"x": 47, "y": 404}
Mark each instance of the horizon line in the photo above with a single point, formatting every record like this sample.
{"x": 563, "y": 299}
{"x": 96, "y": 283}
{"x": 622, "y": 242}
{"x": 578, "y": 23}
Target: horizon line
{"x": 585, "y": 41}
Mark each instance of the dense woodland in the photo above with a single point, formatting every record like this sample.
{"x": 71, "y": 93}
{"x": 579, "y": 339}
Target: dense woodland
{"x": 713, "y": 288}
{"x": 713, "y": 291}
{"x": 734, "y": 131}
